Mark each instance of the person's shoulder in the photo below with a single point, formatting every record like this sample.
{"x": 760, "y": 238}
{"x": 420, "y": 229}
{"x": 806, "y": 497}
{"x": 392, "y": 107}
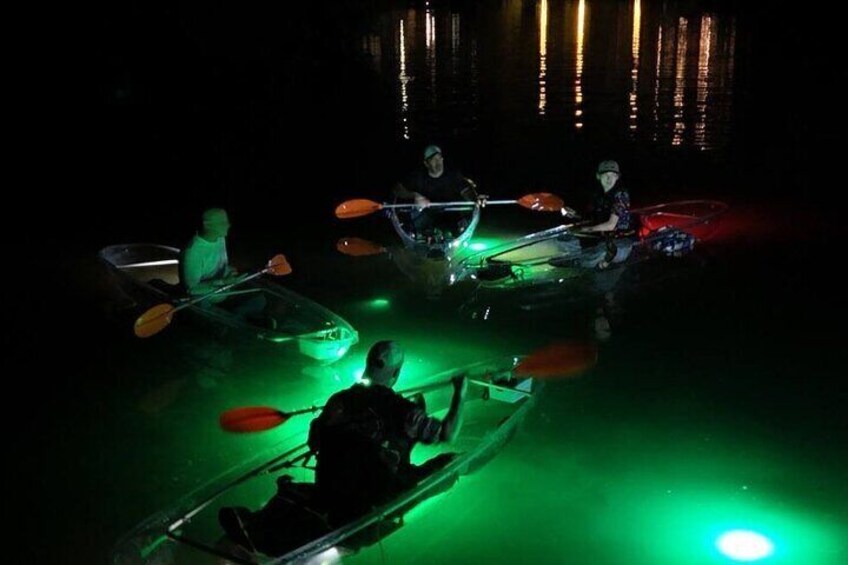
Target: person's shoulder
{"x": 193, "y": 244}
{"x": 383, "y": 395}
{"x": 352, "y": 390}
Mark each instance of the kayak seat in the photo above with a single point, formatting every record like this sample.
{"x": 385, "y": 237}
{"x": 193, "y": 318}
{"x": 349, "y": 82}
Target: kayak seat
{"x": 172, "y": 290}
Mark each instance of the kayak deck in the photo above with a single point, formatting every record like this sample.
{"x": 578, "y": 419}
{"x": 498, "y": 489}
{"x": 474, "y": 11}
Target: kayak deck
{"x": 190, "y": 532}
{"x": 148, "y": 273}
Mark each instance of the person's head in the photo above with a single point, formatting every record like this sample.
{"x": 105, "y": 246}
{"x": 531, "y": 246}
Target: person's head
{"x": 434, "y": 161}
{"x": 608, "y": 174}
{"x": 383, "y": 364}
{"x": 216, "y": 223}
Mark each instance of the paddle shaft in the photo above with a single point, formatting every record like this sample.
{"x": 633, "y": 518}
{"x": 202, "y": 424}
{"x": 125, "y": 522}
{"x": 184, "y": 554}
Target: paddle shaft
{"x": 435, "y": 386}
{"x": 460, "y": 203}
{"x": 420, "y": 389}
{"x": 224, "y": 288}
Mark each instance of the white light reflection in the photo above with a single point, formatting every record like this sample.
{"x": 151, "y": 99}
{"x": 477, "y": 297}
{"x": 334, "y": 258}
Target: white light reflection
{"x": 430, "y": 45}
{"x": 161, "y": 263}
{"x": 404, "y": 79}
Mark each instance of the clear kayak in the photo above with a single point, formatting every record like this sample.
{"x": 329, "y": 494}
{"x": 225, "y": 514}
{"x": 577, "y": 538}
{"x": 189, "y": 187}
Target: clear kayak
{"x": 669, "y": 229}
{"x": 149, "y": 273}
{"x": 433, "y": 246}
{"x": 190, "y": 531}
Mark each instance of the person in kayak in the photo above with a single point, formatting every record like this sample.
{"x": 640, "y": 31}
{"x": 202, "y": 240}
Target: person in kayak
{"x": 364, "y": 436}
{"x": 362, "y": 442}
{"x": 205, "y": 267}
{"x": 607, "y": 238}
{"x": 436, "y": 183}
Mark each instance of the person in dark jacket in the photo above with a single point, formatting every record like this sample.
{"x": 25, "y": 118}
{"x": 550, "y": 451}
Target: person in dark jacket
{"x": 364, "y": 436}
{"x": 607, "y": 238}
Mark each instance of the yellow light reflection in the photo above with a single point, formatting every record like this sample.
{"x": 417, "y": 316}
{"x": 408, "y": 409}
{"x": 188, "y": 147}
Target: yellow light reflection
{"x": 704, "y": 50}
{"x": 429, "y": 29}
{"x": 657, "y": 82}
{"x": 578, "y": 79}
{"x": 634, "y": 72}
{"x": 680, "y": 82}
{"x": 543, "y": 52}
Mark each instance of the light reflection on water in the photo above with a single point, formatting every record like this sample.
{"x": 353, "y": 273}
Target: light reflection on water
{"x": 576, "y": 64}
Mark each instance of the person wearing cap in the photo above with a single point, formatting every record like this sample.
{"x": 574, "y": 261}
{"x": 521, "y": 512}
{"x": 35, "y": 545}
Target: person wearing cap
{"x": 205, "y": 267}
{"x": 609, "y": 222}
{"x": 364, "y": 436}
{"x": 362, "y": 442}
{"x": 435, "y": 183}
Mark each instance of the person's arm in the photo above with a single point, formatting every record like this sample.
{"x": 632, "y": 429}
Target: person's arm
{"x": 191, "y": 268}
{"x": 609, "y": 225}
{"x": 453, "y": 421}
{"x": 403, "y": 193}
{"x": 427, "y": 429}
{"x": 620, "y": 209}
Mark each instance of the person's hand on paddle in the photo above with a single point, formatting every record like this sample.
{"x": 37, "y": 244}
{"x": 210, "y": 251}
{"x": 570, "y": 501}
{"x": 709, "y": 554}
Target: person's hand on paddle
{"x": 460, "y": 385}
{"x": 231, "y": 278}
{"x": 569, "y": 212}
{"x": 421, "y": 201}
{"x": 482, "y": 199}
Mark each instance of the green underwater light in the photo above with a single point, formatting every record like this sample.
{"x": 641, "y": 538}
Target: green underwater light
{"x": 379, "y": 303}
{"x": 744, "y": 545}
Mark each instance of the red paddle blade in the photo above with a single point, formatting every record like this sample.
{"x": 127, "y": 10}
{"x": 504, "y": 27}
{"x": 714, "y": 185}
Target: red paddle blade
{"x": 358, "y": 247}
{"x": 154, "y": 320}
{"x": 356, "y": 208}
{"x": 252, "y": 419}
{"x": 542, "y": 202}
{"x": 558, "y": 360}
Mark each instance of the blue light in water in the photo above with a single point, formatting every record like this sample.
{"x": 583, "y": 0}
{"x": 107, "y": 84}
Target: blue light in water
{"x": 744, "y": 545}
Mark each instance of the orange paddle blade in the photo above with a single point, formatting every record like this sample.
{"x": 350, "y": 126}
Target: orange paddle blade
{"x": 154, "y": 320}
{"x": 358, "y": 247}
{"x": 356, "y": 208}
{"x": 542, "y": 202}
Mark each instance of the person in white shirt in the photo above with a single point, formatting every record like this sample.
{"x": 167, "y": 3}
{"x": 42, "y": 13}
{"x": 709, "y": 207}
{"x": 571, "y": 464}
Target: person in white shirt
{"x": 205, "y": 267}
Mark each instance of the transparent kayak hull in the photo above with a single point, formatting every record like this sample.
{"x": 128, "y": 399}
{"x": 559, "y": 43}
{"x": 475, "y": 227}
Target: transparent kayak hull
{"x": 551, "y": 256}
{"x": 149, "y": 273}
{"x": 190, "y": 533}
{"x": 446, "y": 248}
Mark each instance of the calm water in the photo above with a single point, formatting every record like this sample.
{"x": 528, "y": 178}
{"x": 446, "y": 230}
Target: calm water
{"x": 718, "y": 400}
